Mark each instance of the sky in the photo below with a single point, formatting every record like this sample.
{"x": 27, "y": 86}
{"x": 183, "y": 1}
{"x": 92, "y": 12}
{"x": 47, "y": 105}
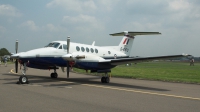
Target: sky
{"x": 35, "y": 23}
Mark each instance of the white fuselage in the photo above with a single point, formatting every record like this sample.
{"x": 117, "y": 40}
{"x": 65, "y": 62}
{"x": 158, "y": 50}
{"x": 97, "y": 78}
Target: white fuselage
{"x": 57, "y": 55}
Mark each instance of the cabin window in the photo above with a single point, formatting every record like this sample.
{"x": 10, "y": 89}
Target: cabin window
{"x": 96, "y": 51}
{"x": 77, "y": 48}
{"x": 108, "y": 52}
{"x": 82, "y": 49}
{"x": 92, "y": 50}
{"x": 65, "y": 46}
{"x": 87, "y": 49}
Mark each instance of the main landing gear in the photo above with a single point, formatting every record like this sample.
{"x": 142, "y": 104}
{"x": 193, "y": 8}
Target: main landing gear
{"x": 23, "y": 79}
{"x": 54, "y": 74}
{"x": 105, "y": 79}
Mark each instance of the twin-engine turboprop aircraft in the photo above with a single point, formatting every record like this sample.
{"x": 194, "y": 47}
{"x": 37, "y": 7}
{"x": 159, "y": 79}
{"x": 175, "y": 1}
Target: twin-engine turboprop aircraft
{"x": 89, "y": 57}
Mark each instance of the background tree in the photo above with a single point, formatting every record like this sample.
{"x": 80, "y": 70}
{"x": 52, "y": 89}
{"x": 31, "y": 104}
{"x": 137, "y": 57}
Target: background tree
{"x": 4, "y": 51}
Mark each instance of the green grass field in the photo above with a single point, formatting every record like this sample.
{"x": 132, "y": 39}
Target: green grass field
{"x": 163, "y": 71}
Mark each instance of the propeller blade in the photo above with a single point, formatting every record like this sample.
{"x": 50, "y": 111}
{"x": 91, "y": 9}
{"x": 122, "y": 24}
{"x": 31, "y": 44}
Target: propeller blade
{"x": 68, "y": 44}
{"x": 16, "y": 66}
{"x": 16, "y": 46}
{"x": 16, "y": 61}
{"x": 68, "y": 69}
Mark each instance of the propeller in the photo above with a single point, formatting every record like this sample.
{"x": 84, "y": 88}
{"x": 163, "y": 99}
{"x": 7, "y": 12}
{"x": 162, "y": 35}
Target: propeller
{"x": 68, "y": 45}
{"x": 71, "y": 57}
{"x": 16, "y": 61}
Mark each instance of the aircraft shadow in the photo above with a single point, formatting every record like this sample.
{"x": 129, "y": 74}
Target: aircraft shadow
{"x": 76, "y": 81}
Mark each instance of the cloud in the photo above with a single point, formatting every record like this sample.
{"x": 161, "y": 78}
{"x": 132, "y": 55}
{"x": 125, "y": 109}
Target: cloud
{"x": 74, "y": 5}
{"x": 30, "y": 25}
{"x": 48, "y": 27}
{"x": 83, "y": 22}
{"x": 179, "y": 5}
{"x": 2, "y": 29}
{"x": 52, "y": 28}
{"x": 8, "y": 10}
{"x": 140, "y": 26}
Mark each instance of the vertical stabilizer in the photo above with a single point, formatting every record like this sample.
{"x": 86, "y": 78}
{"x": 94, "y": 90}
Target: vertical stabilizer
{"x": 126, "y": 43}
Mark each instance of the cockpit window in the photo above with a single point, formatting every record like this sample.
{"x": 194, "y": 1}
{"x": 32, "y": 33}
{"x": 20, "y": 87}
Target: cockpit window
{"x": 48, "y": 45}
{"x": 55, "y": 45}
{"x": 60, "y": 47}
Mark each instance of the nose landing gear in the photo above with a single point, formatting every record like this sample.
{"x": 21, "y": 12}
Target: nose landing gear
{"x": 23, "y": 79}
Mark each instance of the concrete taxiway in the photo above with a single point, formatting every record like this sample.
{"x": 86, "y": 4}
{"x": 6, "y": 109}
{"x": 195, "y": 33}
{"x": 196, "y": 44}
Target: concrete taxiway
{"x": 86, "y": 93}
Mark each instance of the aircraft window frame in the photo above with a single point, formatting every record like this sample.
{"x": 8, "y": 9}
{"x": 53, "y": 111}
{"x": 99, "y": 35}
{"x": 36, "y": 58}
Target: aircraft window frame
{"x": 87, "y": 49}
{"x": 82, "y": 49}
{"x": 92, "y": 50}
{"x": 96, "y": 50}
{"x": 77, "y": 48}
{"x": 109, "y": 52}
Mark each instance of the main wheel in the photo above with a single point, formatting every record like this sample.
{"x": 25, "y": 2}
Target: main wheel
{"x": 103, "y": 79}
{"x": 54, "y": 75}
{"x": 107, "y": 79}
{"x": 23, "y": 79}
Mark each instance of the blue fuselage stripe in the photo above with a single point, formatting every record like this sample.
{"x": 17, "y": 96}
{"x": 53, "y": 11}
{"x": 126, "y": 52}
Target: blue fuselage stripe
{"x": 45, "y": 62}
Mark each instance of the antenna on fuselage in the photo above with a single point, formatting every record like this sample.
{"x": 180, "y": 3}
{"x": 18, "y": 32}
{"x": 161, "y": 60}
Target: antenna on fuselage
{"x": 93, "y": 43}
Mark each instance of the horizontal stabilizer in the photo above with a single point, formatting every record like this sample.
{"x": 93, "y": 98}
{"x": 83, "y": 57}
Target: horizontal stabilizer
{"x": 134, "y": 33}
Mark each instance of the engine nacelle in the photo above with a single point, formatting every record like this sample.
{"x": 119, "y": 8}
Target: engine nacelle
{"x": 83, "y": 57}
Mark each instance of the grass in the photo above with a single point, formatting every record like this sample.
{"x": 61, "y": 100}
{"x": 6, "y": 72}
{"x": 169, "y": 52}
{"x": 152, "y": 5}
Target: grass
{"x": 163, "y": 71}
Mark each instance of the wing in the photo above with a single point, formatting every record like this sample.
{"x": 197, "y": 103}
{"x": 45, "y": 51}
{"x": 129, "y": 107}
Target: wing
{"x": 143, "y": 59}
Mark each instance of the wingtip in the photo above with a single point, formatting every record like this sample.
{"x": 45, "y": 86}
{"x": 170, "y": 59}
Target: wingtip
{"x": 186, "y": 54}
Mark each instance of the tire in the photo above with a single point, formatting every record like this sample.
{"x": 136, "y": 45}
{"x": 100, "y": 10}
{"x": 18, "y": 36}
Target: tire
{"x": 54, "y": 75}
{"x": 107, "y": 79}
{"x": 23, "y": 79}
{"x": 103, "y": 79}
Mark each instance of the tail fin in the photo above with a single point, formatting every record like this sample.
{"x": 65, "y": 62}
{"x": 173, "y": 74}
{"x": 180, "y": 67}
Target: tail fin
{"x": 126, "y": 43}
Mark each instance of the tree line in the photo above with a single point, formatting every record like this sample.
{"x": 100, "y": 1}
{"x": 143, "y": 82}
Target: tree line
{"x": 4, "y": 51}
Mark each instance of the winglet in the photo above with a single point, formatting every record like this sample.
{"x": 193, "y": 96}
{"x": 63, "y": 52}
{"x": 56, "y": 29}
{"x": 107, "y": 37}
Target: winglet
{"x": 186, "y": 55}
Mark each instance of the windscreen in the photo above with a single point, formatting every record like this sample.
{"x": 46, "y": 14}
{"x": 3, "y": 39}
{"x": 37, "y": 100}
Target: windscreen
{"x": 55, "y": 45}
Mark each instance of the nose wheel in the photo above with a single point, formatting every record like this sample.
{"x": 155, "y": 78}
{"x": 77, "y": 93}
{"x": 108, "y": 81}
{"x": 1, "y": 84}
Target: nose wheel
{"x": 23, "y": 79}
